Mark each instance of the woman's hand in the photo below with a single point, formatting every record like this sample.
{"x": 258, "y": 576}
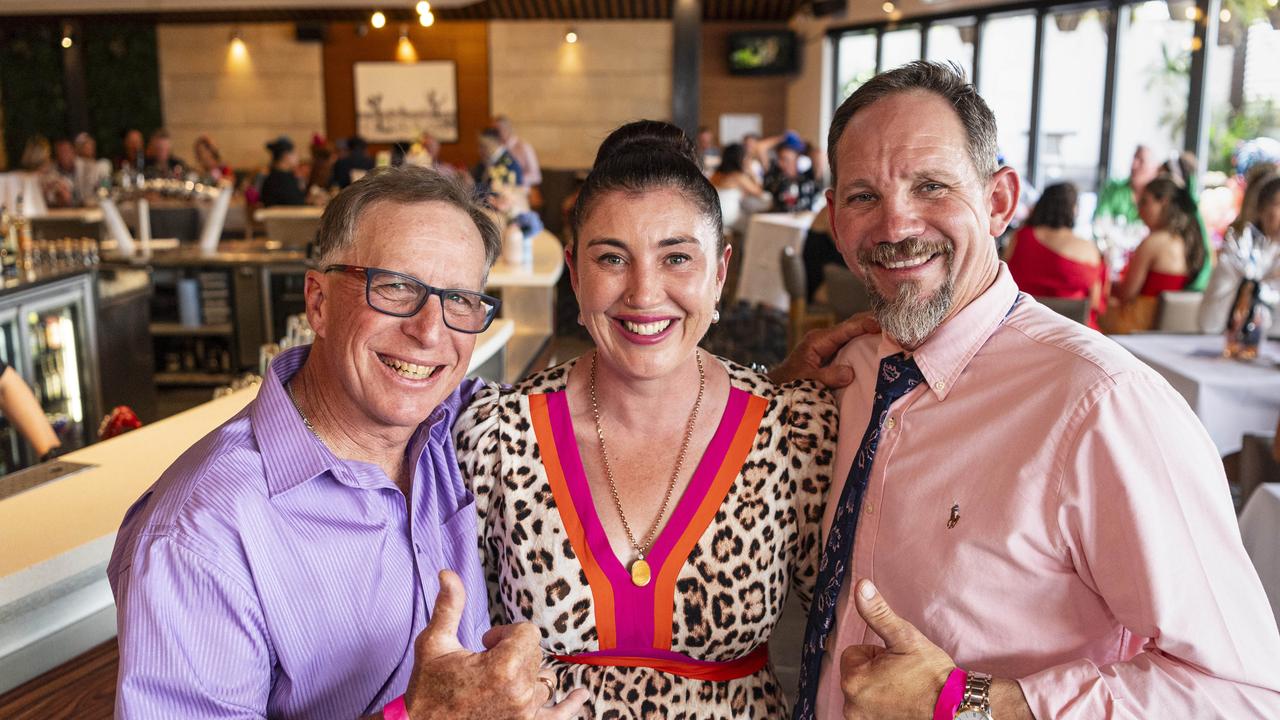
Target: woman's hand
{"x": 811, "y": 360}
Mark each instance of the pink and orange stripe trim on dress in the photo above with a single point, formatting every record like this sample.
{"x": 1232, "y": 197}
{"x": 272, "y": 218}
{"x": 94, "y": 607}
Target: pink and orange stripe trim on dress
{"x": 634, "y": 623}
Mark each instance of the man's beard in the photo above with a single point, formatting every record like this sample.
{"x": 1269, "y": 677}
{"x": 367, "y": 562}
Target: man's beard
{"x": 908, "y": 318}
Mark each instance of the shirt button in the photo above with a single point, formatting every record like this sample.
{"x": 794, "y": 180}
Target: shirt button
{"x": 939, "y": 386}
{"x": 888, "y": 424}
{"x": 868, "y": 508}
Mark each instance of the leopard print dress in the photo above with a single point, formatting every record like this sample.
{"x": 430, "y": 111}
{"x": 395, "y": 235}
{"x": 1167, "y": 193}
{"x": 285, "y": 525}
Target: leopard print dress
{"x": 691, "y": 644}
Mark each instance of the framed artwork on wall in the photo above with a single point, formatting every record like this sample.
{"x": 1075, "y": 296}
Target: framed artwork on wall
{"x": 397, "y": 101}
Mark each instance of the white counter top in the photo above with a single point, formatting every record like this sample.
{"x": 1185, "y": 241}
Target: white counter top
{"x": 544, "y": 271}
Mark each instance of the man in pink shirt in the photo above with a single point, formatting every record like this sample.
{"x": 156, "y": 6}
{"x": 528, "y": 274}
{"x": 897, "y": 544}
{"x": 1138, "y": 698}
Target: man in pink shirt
{"x": 1033, "y": 505}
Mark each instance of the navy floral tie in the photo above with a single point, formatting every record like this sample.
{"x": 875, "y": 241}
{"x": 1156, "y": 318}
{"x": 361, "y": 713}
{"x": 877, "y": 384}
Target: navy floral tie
{"x": 898, "y": 375}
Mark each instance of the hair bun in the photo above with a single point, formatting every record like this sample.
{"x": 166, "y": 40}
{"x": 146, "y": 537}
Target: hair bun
{"x": 647, "y": 136}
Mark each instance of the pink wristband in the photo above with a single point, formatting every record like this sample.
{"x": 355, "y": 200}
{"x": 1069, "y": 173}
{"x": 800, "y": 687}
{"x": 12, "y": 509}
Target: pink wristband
{"x": 950, "y": 697}
{"x": 395, "y": 710}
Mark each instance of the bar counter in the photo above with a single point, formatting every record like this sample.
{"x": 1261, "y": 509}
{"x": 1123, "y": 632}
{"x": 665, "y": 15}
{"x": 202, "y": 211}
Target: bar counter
{"x": 57, "y": 537}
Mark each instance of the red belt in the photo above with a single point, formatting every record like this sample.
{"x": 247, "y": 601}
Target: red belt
{"x": 676, "y": 664}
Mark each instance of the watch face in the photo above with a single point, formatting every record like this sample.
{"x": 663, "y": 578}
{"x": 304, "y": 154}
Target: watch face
{"x": 972, "y": 715}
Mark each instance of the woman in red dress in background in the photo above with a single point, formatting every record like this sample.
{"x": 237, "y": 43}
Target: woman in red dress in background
{"x": 1167, "y": 259}
{"x": 1047, "y": 258}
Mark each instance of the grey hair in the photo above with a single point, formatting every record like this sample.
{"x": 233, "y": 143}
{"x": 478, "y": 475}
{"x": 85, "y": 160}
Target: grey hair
{"x": 945, "y": 80}
{"x": 404, "y": 185}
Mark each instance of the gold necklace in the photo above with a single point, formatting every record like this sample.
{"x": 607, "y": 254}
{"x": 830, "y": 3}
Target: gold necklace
{"x": 640, "y": 572}
{"x": 288, "y": 388}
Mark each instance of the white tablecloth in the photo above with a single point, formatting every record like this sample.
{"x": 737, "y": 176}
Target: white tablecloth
{"x": 1260, "y": 530}
{"x": 1231, "y": 398}
{"x": 768, "y": 233}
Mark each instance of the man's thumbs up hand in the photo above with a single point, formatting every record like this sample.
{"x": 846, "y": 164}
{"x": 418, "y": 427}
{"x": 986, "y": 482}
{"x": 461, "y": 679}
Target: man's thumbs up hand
{"x": 901, "y": 679}
{"x": 450, "y": 681}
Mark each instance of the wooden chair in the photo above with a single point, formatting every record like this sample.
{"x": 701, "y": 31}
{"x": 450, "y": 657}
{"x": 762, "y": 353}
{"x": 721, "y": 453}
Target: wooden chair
{"x": 1075, "y": 308}
{"x": 846, "y": 293}
{"x": 800, "y": 319}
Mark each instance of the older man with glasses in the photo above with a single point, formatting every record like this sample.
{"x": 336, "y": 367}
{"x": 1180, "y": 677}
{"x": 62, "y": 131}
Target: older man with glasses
{"x": 315, "y": 557}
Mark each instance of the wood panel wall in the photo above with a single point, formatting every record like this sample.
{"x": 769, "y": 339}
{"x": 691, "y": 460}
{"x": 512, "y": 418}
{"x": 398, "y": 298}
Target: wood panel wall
{"x": 725, "y": 93}
{"x": 463, "y": 42}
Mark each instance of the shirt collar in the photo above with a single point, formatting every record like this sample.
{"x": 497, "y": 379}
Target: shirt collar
{"x": 946, "y": 353}
{"x": 292, "y": 454}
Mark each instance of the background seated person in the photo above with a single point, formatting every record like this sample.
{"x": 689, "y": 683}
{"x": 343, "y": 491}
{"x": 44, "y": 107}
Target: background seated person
{"x": 1264, "y": 217}
{"x": 731, "y": 174}
{"x": 1046, "y": 257}
{"x": 793, "y": 190}
{"x": 1166, "y": 260}
{"x": 282, "y": 186}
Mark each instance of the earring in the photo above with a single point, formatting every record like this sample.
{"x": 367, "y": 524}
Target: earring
{"x": 715, "y": 316}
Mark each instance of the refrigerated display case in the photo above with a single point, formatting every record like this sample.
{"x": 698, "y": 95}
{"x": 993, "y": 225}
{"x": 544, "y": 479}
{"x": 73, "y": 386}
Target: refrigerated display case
{"x": 49, "y": 328}
{"x": 10, "y": 446}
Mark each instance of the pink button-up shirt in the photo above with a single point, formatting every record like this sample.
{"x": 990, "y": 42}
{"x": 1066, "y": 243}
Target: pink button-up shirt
{"x": 1096, "y": 559}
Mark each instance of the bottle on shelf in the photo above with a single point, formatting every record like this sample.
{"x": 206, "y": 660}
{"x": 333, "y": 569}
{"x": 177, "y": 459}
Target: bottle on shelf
{"x": 13, "y": 229}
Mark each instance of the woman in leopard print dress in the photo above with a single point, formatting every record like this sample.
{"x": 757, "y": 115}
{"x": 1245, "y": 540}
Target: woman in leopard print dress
{"x": 649, "y": 506}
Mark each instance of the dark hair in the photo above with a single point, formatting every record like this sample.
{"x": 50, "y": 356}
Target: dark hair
{"x": 1180, "y": 219}
{"x": 1270, "y": 189}
{"x": 279, "y": 147}
{"x": 404, "y": 185}
{"x": 945, "y": 80}
{"x": 1056, "y": 207}
{"x": 205, "y": 142}
{"x": 492, "y": 133}
{"x": 731, "y": 158}
{"x": 356, "y": 144}
{"x": 648, "y": 155}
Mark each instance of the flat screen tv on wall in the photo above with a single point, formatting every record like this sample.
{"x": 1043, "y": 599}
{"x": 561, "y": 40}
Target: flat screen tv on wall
{"x": 770, "y": 52}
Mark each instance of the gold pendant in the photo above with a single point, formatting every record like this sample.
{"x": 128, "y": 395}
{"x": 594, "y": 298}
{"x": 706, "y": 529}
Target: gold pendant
{"x": 640, "y": 572}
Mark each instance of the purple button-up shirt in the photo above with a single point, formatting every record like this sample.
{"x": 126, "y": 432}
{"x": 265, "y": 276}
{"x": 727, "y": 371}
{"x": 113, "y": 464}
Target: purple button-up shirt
{"x": 261, "y": 576}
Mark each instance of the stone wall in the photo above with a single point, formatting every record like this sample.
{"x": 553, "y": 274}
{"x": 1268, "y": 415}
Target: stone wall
{"x": 242, "y": 102}
{"x": 565, "y": 98}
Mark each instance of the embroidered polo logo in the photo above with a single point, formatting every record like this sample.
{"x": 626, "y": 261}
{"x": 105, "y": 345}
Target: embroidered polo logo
{"x": 955, "y": 516}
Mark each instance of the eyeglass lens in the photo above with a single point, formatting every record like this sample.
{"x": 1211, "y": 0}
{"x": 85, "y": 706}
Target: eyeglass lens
{"x": 399, "y": 295}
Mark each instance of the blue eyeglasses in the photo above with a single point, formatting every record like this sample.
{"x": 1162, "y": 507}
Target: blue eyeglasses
{"x": 400, "y": 295}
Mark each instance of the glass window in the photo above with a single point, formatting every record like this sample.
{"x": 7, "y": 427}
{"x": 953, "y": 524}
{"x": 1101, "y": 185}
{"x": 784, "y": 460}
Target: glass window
{"x": 1008, "y": 52}
{"x": 899, "y": 47}
{"x": 1243, "y": 87}
{"x": 952, "y": 41}
{"x": 1075, "y": 75}
{"x": 1153, "y": 81}
{"x": 856, "y": 53}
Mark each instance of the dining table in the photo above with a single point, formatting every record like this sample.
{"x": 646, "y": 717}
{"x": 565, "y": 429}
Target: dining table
{"x": 1230, "y": 397}
{"x": 760, "y": 281}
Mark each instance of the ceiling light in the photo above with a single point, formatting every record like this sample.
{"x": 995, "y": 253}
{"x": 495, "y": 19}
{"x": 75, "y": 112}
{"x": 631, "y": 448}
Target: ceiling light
{"x": 571, "y": 36}
{"x": 1225, "y": 15}
{"x": 888, "y": 6}
{"x": 378, "y": 20}
{"x": 1191, "y": 12}
{"x": 423, "y": 7}
{"x": 427, "y": 19}
{"x": 238, "y": 49}
{"x": 66, "y": 36}
{"x": 66, "y": 41}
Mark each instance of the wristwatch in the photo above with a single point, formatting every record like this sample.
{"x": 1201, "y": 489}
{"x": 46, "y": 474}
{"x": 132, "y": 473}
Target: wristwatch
{"x": 976, "y": 704}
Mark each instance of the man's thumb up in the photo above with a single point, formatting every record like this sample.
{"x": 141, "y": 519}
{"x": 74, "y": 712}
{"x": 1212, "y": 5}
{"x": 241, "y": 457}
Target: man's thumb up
{"x": 440, "y": 637}
{"x": 899, "y": 636}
